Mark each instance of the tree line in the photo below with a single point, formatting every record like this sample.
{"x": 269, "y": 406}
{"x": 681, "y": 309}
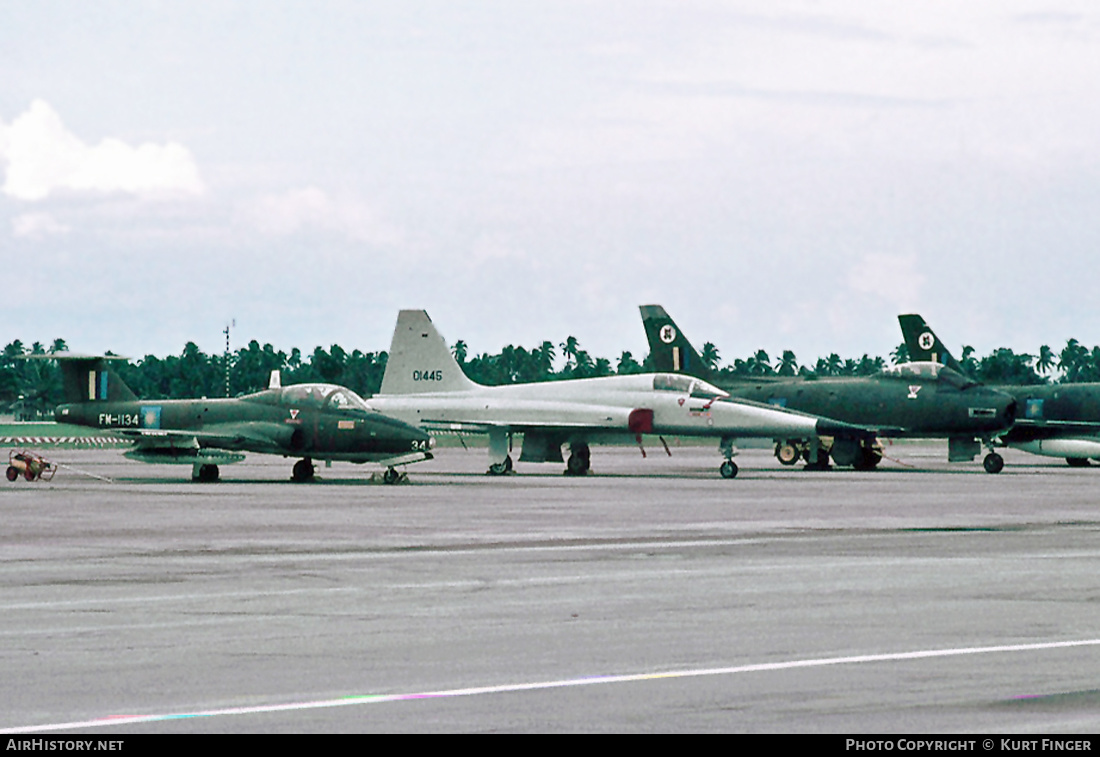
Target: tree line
{"x": 34, "y": 386}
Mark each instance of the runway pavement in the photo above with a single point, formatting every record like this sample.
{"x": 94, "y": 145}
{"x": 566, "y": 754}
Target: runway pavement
{"x": 650, "y": 596}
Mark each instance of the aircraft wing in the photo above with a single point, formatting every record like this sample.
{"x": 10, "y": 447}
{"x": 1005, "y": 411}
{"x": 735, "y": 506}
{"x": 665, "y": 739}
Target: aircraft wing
{"x": 410, "y": 457}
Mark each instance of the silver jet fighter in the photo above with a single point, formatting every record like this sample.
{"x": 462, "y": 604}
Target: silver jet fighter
{"x": 424, "y": 386}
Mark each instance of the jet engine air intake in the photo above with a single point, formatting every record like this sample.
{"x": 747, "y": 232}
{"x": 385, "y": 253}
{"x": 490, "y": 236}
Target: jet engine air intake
{"x": 640, "y": 421}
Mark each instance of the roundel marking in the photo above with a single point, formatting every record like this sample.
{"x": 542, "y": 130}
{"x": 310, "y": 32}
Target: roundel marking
{"x": 926, "y": 340}
{"x": 668, "y": 334}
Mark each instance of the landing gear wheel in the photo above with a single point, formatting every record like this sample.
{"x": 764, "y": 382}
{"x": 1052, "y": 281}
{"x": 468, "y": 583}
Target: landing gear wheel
{"x": 728, "y": 469}
{"x": 1078, "y": 462}
{"x": 391, "y": 476}
{"x": 868, "y": 460}
{"x": 303, "y": 471}
{"x": 13, "y": 473}
{"x": 786, "y": 453}
{"x": 499, "y": 469}
{"x": 993, "y": 463}
{"x": 208, "y": 473}
{"x": 580, "y": 460}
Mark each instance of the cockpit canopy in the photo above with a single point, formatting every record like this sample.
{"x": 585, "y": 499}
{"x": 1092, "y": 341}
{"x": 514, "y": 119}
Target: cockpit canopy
{"x": 671, "y": 382}
{"x": 927, "y": 369}
{"x": 322, "y": 396}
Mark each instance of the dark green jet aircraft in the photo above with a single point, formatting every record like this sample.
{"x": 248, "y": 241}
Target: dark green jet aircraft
{"x": 307, "y": 421}
{"x": 918, "y": 400}
{"x": 1057, "y": 420}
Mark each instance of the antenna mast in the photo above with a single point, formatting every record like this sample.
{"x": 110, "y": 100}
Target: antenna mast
{"x": 226, "y": 332}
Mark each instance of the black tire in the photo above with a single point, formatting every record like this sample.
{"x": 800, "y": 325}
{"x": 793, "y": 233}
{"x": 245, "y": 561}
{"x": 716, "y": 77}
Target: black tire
{"x": 576, "y": 465}
{"x": 1078, "y": 462}
{"x": 13, "y": 473}
{"x": 728, "y": 469}
{"x": 993, "y": 463}
{"x": 787, "y": 454}
{"x": 869, "y": 459}
{"x": 499, "y": 469}
{"x": 303, "y": 471}
{"x": 391, "y": 476}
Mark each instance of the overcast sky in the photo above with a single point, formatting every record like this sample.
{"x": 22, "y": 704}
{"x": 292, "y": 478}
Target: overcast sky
{"x": 779, "y": 175}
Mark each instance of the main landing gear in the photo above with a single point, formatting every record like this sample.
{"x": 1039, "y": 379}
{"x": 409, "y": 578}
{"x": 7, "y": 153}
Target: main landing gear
{"x": 206, "y": 473}
{"x": 499, "y": 469}
{"x": 580, "y": 460}
{"x": 862, "y": 455}
{"x": 303, "y": 471}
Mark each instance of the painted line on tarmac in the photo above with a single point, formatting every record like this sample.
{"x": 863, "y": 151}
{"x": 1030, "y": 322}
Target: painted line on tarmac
{"x": 348, "y": 701}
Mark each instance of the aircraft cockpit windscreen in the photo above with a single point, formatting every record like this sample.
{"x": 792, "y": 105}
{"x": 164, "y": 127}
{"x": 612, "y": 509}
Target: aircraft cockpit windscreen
{"x": 669, "y": 382}
{"x": 927, "y": 369}
{"x": 305, "y": 395}
{"x": 345, "y": 400}
{"x": 703, "y": 390}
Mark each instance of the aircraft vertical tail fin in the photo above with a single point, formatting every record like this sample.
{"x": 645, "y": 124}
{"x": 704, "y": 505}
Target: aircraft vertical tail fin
{"x": 89, "y": 378}
{"x": 669, "y": 349}
{"x": 923, "y": 344}
{"x": 419, "y": 359}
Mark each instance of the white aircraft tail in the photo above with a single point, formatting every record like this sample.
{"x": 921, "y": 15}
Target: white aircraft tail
{"x": 420, "y": 360}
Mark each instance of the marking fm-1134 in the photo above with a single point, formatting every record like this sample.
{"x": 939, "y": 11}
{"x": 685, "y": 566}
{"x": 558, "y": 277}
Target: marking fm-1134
{"x": 917, "y": 399}
{"x": 1056, "y": 420}
{"x": 424, "y": 386}
{"x": 307, "y": 421}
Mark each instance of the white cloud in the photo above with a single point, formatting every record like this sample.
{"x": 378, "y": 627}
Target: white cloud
{"x": 37, "y": 225}
{"x": 42, "y": 157}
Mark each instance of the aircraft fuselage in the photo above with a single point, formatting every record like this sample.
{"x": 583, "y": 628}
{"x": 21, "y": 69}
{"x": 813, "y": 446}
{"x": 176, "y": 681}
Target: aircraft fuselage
{"x": 269, "y": 422}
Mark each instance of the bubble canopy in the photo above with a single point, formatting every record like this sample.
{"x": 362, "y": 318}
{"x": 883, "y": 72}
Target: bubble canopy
{"x": 323, "y": 396}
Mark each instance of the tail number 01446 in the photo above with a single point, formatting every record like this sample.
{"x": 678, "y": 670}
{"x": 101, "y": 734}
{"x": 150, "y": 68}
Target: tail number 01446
{"x": 427, "y": 375}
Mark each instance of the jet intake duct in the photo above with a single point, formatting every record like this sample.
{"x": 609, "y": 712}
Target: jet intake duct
{"x": 640, "y": 421}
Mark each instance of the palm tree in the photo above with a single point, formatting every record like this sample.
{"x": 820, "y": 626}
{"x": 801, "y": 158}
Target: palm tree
{"x": 900, "y": 354}
{"x": 710, "y": 356}
{"x": 1045, "y": 361}
{"x": 627, "y": 363}
{"x": 1071, "y": 360}
{"x": 545, "y": 360}
{"x": 458, "y": 349}
{"x": 569, "y": 348}
{"x": 788, "y": 364}
{"x": 969, "y": 362}
{"x": 759, "y": 364}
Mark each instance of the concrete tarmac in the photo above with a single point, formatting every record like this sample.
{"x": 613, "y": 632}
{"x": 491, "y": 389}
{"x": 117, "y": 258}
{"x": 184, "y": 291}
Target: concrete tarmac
{"x": 650, "y": 596}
